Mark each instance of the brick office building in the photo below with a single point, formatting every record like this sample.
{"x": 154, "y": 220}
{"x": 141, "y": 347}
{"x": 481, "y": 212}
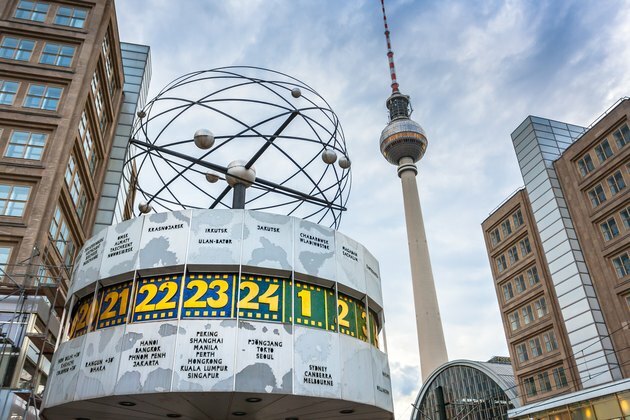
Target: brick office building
{"x": 559, "y": 255}
{"x": 68, "y": 95}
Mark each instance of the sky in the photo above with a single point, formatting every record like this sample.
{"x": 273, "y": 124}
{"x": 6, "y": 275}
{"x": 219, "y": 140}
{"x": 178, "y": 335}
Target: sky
{"x": 474, "y": 70}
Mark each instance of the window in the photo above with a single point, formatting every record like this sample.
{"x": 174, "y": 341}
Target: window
{"x": 108, "y": 67}
{"x": 7, "y": 92}
{"x": 60, "y": 236}
{"x": 528, "y": 315}
{"x": 73, "y": 181}
{"x": 31, "y": 10}
{"x": 26, "y": 145}
{"x": 520, "y": 283}
{"x": 70, "y": 16}
{"x": 534, "y": 345}
{"x": 526, "y": 248}
{"x": 495, "y": 237}
{"x": 517, "y": 218}
{"x": 559, "y": 377}
{"x": 513, "y": 255}
{"x": 43, "y": 97}
{"x": 98, "y": 103}
{"x": 622, "y": 265}
{"x": 603, "y": 151}
{"x": 515, "y": 323}
{"x": 87, "y": 142}
{"x": 521, "y": 351}
{"x": 541, "y": 307}
{"x": 597, "y": 195}
{"x": 16, "y": 48}
{"x": 94, "y": 83}
{"x": 625, "y": 217}
{"x": 586, "y": 165}
{"x": 57, "y": 55}
{"x": 609, "y": 229}
{"x": 506, "y": 228}
{"x": 549, "y": 338}
{"x": 530, "y": 386}
{"x": 5, "y": 254}
{"x": 501, "y": 264}
{"x": 622, "y": 136}
{"x": 532, "y": 276}
{"x": 543, "y": 381}
{"x": 616, "y": 183}
{"x": 507, "y": 291}
{"x": 13, "y": 199}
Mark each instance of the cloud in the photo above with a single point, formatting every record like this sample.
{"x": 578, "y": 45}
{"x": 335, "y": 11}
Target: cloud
{"x": 474, "y": 71}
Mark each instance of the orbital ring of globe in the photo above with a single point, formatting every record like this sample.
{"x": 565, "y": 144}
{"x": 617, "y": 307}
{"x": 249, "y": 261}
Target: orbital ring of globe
{"x": 209, "y": 129}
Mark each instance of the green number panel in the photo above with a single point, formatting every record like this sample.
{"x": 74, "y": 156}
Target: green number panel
{"x": 265, "y": 298}
{"x": 312, "y": 304}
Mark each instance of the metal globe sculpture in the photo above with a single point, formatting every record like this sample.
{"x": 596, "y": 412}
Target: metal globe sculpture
{"x": 202, "y": 121}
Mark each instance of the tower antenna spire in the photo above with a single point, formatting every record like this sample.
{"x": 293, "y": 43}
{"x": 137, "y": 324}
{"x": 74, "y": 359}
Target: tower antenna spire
{"x": 390, "y": 53}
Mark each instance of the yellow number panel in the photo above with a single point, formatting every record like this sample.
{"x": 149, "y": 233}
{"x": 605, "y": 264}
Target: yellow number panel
{"x": 209, "y": 296}
{"x": 114, "y": 305}
{"x": 82, "y": 318}
{"x": 156, "y": 298}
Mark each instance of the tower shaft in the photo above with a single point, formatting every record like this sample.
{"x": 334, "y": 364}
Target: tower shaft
{"x": 428, "y": 321}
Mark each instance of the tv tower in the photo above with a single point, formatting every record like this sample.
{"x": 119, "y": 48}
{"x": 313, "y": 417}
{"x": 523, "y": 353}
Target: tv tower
{"x": 403, "y": 143}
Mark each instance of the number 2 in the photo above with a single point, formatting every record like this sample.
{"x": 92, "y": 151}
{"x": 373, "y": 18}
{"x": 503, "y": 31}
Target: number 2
{"x": 343, "y": 313}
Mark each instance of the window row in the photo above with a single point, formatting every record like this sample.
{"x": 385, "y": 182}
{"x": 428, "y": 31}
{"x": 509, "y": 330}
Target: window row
{"x": 609, "y": 227}
{"x": 603, "y": 150}
{"x": 225, "y": 296}
{"x": 615, "y": 183}
{"x": 518, "y": 283}
{"x": 64, "y": 15}
{"x": 524, "y": 316}
{"x": 514, "y": 254}
{"x": 541, "y": 382}
{"x": 37, "y": 96}
{"x": 506, "y": 227}
{"x": 621, "y": 264}
{"x": 536, "y": 346}
{"x": 21, "y": 49}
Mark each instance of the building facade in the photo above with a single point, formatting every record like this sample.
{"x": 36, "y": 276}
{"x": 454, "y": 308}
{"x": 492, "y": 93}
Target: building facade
{"x": 61, "y": 95}
{"x": 559, "y": 255}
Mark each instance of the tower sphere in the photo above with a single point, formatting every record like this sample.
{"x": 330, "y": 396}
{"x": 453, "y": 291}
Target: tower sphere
{"x": 403, "y": 137}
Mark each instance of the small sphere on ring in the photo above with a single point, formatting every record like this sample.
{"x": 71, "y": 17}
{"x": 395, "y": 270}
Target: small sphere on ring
{"x": 238, "y": 174}
{"x": 344, "y": 162}
{"x": 144, "y": 207}
{"x": 141, "y": 114}
{"x": 296, "y": 92}
{"x": 329, "y": 156}
{"x": 204, "y": 139}
{"x": 211, "y": 177}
